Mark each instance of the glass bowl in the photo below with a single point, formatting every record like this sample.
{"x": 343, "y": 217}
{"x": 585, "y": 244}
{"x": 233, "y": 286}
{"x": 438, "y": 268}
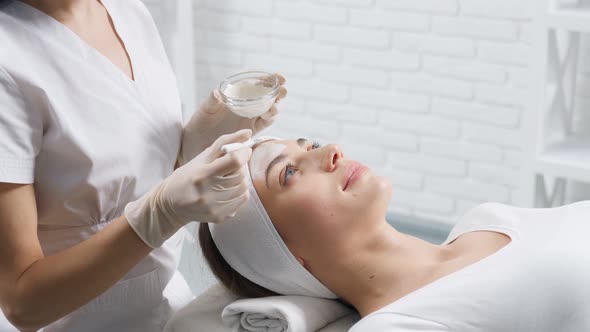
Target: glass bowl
{"x": 249, "y": 94}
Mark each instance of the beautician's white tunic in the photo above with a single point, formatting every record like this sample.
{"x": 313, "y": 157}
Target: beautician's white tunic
{"x": 539, "y": 282}
{"x": 91, "y": 140}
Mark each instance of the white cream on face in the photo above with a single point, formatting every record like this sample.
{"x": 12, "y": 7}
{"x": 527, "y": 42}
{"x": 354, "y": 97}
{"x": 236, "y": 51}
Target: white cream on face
{"x": 262, "y": 156}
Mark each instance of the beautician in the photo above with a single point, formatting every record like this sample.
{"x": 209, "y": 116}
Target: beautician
{"x": 91, "y": 134}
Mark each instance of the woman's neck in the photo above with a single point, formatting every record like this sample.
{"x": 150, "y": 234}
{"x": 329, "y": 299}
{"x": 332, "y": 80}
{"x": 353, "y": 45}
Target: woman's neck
{"x": 385, "y": 266}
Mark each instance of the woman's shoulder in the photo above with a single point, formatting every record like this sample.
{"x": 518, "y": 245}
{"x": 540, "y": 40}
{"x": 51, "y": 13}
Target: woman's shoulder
{"x": 14, "y": 29}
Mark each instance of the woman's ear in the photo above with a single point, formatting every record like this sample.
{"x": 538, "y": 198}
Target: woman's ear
{"x": 300, "y": 260}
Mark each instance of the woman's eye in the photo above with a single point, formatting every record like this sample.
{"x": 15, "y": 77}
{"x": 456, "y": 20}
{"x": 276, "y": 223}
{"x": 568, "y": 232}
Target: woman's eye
{"x": 289, "y": 171}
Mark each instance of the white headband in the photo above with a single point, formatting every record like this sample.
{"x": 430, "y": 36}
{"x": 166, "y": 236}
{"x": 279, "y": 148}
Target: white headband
{"x": 252, "y": 246}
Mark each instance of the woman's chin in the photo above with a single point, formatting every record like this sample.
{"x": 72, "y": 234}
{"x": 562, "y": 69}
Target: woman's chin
{"x": 375, "y": 201}
{"x": 384, "y": 185}
{"x": 379, "y": 190}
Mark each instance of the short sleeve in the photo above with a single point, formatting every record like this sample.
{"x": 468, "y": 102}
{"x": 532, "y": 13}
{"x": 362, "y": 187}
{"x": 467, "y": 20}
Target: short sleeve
{"x": 390, "y": 322}
{"x": 489, "y": 216}
{"x": 21, "y": 132}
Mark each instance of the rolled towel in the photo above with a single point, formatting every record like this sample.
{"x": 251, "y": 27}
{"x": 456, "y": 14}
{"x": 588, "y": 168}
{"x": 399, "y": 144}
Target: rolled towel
{"x": 287, "y": 313}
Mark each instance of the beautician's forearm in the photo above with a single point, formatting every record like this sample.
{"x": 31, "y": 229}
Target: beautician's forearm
{"x": 56, "y": 285}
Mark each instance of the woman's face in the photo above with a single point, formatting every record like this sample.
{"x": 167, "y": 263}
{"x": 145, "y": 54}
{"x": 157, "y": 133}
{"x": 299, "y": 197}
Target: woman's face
{"x": 318, "y": 200}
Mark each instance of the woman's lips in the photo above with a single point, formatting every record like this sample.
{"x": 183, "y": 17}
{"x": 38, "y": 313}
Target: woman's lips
{"x": 353, "y": 172}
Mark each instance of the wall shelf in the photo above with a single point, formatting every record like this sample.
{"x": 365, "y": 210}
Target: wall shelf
{"x": 569, "y": 19}
{"x": 569, "y": 158}
{"x": 559, "y": 150}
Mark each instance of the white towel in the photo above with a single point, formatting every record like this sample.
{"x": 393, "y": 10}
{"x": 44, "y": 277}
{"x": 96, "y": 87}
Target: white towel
{"x": 282, "y": 314}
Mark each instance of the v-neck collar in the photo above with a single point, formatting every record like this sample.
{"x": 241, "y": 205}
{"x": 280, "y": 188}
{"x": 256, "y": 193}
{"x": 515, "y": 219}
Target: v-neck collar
{"x": 88, "y": 48}
{"x": 121, "y": 33}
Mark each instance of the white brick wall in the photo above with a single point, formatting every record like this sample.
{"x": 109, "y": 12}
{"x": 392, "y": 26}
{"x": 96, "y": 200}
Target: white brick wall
{"x": 429, "y": 93}
{"x": 429, "y": 6}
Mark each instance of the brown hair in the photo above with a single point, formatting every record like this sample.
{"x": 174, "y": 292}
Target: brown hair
{"x": 229, "y": 277}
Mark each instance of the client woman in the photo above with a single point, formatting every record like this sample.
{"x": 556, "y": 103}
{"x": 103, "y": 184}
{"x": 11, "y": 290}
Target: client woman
{"x": 502, "y": 268}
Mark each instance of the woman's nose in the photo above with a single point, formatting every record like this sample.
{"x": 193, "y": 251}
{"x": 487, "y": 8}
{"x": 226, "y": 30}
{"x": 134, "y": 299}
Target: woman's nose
{"x": 332, "y": 155}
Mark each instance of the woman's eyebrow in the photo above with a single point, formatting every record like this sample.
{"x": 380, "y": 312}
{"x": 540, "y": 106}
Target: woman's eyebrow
{"x": 274, "y": 162}
{"x": 300, "y": 141}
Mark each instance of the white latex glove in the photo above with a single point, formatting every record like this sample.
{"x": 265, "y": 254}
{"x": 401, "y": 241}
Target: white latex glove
{"x": 213, "y": 119}
{"x": 209, "y": 188}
